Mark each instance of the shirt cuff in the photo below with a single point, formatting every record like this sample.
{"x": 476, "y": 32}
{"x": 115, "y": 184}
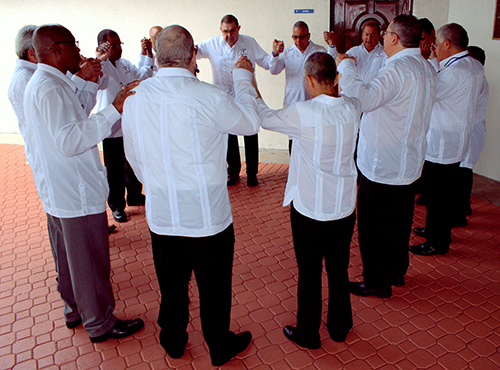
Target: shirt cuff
{"x": 241, "y": 74}
{"x": 146, "y": 60}
{"x": 341, "y": 68}
{"x": 110, "y": 113}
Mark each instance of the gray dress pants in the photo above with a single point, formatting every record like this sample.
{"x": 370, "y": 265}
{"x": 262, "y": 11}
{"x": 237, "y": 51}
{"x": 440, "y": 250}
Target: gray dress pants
{"x": 80, "y": 248}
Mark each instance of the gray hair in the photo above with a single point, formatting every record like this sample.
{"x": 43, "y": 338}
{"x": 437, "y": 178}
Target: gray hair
{"x": 175, "y": 47}
{"x": 301, "y": 24}
{"x": 321, "y": 66}
{"x": 24, "y": 41}
{"x": 455, "y": 34}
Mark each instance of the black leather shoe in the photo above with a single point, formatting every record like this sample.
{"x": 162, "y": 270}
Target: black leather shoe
{"x": 252, "y": 181}
{"x": 111, "y": 228}
{"x": 425, "y": 249}
{"x": 239, "y": 342}
{"x": 175, "y": 349}
{"x": 73, "y": 324}
{"x": 399, "y": 281}
{"x": 459, "y": 222}
{"x": 420, "y": 200}
{"x": 291, "y": 334}
{"x": 420, "y": 231}
{"x": 231, "y": 180}
{"x": 140, "y": 200}
{"x": 121, "y": 329}
{"x": 362, "y": 290}
{"x": 120, "y": 216}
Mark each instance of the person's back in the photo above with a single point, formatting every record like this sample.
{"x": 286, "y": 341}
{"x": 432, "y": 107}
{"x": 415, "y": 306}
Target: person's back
{"x": 398, "y": 118}
{"x": 190, "y": 136}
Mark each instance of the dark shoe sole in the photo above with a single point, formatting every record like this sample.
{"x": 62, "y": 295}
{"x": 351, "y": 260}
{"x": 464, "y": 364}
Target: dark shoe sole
{"x": 73, "y": 324}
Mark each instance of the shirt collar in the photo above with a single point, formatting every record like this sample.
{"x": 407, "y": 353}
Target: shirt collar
{"x": 174, "y": 72}
{"x": 57, "y": 73}
{"x": 403, "y": 53}
{"x": 375, "y": 49}
{"x": 26, "y": 64}
{"x": 457, "y": 55}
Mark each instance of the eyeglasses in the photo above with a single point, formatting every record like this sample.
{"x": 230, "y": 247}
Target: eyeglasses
{"x": 301, "y": 37}
{"x": 383, "y": 33}
{"x": 76, "y": 43}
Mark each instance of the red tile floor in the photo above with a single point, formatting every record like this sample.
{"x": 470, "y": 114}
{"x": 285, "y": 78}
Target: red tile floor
{"x": 447, "y": 316}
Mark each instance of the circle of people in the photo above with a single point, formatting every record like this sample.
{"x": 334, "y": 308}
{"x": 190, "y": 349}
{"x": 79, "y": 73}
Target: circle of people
{"x": 411, "y": 110}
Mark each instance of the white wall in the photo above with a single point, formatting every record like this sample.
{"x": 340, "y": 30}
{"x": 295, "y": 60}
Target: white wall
{"x": 264, "y": 20}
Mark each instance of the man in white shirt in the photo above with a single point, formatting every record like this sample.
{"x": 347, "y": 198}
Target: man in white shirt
{"x": 223, "y": 51}
{"x": 460, "y": 80}
{"x": 118, "y": 72}
{"x": 370, "y": 56}
{"x": 292, "y": 60}
{"x": 62, "y": 151}
{"x": 25, "y": 67}
{"x": 321, "y": 190}
{"x": 397, "y": 107}
{"x": 477, "y": 142}
{"x": 175, "y": 135}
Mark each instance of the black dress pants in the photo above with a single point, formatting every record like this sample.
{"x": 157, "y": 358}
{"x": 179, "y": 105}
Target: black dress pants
{"x": 314, "y": 240}
{"x": 441, "y": 193}
{"x": 464, "y": 193}
{"x": 251, "y": 155}
{"x": 120, "y": 175}
{"x": 385, "y": 216}
{"x": 211, "y": 259}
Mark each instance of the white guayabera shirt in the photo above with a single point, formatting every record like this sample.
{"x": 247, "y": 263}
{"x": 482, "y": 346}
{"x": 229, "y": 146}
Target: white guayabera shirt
{"x": 293, "y": 60}
{"x": 459, "y": 83}
{"x": 62, "y": 144}
{"x": 175, "y": 137}
{"x": 322, "y": 175}
{"x": 397, "y": 106}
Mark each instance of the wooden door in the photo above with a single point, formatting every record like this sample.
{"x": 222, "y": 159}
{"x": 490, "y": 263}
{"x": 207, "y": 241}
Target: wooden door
{"x": 347, "y": 17}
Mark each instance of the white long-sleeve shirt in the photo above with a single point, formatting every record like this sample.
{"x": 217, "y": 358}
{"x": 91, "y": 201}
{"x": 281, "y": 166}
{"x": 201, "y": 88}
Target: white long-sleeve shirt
{"x": 114, "y": 78}
{"x": 459, "y": 84}
{"x": 175, "y": 136}
{"x": 62, "y": 145}
{"x": 478, "y": 137}
{"x": 397, "y": 106}
{"x": 22, "y": 74}
{"x": 367, "y": 63}
{"x": 223, "y": 57}
{"x": 292, "y": 60}
{"x": 322, "y": 175}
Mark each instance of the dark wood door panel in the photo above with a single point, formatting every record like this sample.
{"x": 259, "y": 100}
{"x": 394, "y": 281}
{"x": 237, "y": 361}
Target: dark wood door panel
{"x": 348, "y": 17}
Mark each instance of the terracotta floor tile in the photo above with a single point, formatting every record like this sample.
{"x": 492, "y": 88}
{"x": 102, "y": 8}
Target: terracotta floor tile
{"x": 446, "y": 316}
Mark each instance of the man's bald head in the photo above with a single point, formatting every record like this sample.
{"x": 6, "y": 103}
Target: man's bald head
{"x": 55, "y": 45}
{"x": 153, "y": 33}
{"x": 175, "y": 47}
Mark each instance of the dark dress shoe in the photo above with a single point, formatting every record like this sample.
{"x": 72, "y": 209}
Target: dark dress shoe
{"x": 425, "y": 249}
{"x": 252, "y": 181}
{"x": 399, "y": 281}
{"x": 111, "y": 228}
{"x": 420, "y": 231}
{"x": 120, "y": 216}
{"x": 121, "y": 329}
{"x": 459, "y": 222}
{"x": 231, "y": 180}
{"x": 140, "y": 200}
{"x": 420, "y": 200}
{"x": 362, "y": 290}
{"x": 73, "y": 324}
{"x": 237, "y": 344}
{"x": 291, "y": 333}
{"x": 175, "y": 348}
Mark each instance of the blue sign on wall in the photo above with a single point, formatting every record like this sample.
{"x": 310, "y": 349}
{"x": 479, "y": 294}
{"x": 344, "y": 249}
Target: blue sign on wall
{"x": 303, "y": 11}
